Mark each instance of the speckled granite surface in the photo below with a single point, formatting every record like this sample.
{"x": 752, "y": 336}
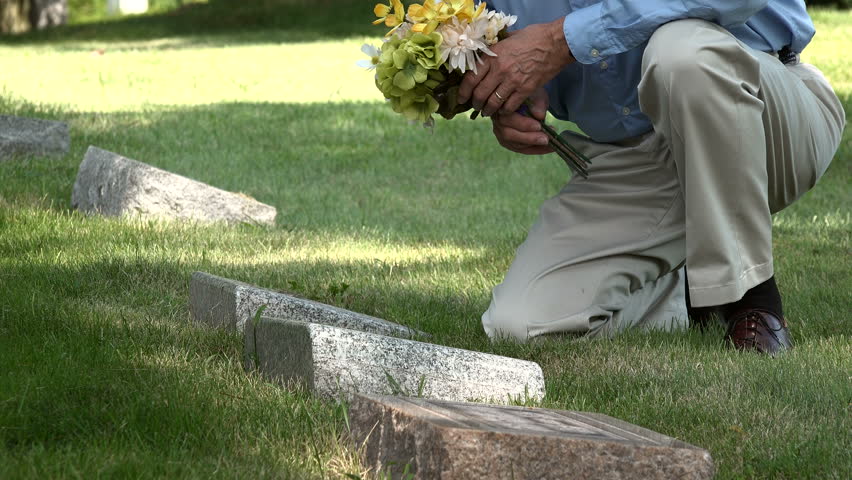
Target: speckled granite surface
{"x": 445, "y": 440}
{"x": 225, "y": 303}
{"x": 337, "y": 362}
{"x": 109, "y": 184}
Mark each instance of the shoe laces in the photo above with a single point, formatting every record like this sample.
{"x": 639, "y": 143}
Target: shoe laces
{"x": 752, "y": 321}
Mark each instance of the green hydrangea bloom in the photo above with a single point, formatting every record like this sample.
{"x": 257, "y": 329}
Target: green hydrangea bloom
{"x": 407, "y": 72}
{"x": 410, "y": 75}
{"x": 416, "y": 105}
{"x": 425, "y": 49}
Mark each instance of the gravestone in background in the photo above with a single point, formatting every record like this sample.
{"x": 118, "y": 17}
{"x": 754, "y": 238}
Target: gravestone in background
{"x": 444, "y": 440}
{"x": 337, "y": 362}
{"x": 32, "y": 136}
{"x": 112, "y": 185}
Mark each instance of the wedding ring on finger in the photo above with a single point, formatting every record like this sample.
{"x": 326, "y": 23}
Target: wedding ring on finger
{"x": 496, "y": 93}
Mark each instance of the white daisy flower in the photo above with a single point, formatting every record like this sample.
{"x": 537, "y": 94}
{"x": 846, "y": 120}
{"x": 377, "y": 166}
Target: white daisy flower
{"x": 462, "y": 43}
{"x": 371, "y": 51}
{"x": 497, "y": 21}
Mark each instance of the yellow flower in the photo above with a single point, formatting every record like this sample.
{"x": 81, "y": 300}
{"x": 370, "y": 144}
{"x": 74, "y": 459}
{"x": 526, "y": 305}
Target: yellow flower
{"x": 425, "y": 17}
{"x": 430, "y": 15}
{"x": 463, "y": 9}
{"x": 394, "y": 20}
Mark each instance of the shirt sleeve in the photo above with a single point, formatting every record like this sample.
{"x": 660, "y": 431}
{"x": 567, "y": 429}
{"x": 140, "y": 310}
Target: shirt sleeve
{"x": 611, "y": 27}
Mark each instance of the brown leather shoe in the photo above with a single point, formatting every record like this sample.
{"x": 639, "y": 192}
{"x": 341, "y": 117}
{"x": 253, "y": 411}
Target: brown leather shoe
{"x": 758, "y": 330}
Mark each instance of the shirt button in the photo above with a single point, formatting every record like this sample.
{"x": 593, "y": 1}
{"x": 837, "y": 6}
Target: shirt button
{"x": 625, "y": 111}
{"x": 595, "y": 52}
{"x": 604, "y": 65}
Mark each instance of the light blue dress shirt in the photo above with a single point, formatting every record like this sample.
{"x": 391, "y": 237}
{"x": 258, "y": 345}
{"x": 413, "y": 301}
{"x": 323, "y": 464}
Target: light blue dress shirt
{"x": 608, "y": 38}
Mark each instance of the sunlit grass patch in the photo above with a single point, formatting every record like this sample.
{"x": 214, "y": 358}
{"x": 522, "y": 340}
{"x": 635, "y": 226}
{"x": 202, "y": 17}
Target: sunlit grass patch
{"x": 107, "y": 77}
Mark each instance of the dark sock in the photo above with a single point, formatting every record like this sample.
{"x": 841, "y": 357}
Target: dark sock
{"x": 764, "y": 296}
{"x": 700, "y": 316}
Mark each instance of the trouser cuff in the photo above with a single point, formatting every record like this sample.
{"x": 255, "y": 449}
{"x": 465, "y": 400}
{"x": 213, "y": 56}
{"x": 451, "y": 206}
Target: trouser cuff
{"x": 724, "y": 294}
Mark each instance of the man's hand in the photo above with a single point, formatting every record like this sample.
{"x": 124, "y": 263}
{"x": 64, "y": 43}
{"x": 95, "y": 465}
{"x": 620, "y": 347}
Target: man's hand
{"x": 520, "y": 133}
{"x": 525, "y": 61}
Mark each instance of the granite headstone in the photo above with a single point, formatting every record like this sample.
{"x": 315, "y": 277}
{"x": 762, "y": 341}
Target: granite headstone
{"x": 224, "y": 303}
{"x": 110, "y": 184}
{"x": 437, "y": 440}
{"x": 337, "y": 362}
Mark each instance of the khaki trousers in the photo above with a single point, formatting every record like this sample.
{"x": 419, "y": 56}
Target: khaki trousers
{"x": 737, "y": 136}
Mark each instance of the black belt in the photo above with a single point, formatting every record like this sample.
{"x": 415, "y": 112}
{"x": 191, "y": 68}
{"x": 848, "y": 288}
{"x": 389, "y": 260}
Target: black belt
{"x": 787, "y": 55}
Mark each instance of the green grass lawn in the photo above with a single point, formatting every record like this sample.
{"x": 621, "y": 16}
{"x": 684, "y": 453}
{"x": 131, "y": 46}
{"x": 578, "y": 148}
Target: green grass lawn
{"x": 101, "y": 374}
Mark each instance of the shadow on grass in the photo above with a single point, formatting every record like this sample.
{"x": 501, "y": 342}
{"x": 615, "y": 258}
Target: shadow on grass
{"x": 107, "y": 388}
{"x": 144, "y": 290}
{"x": 354, "y": 171}
{"x": 327, "y": 167}
{"x": 99, "y": 357}
{"x": 101, "y": 361}
{"x": 221, "y": 22}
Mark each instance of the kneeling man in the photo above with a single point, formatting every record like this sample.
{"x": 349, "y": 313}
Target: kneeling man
{"x": 701, "y": 124}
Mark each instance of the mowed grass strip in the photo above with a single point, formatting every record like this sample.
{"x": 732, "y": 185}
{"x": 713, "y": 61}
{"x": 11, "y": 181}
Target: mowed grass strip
{"x": 102, "y": 376}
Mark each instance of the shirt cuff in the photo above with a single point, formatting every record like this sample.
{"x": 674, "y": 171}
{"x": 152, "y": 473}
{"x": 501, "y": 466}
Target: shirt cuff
{"x": 586, "y": 36}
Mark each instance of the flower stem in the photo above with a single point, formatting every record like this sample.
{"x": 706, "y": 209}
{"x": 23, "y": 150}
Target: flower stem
{"x": 572, "y": 157}
{"x": 567, "y": 156}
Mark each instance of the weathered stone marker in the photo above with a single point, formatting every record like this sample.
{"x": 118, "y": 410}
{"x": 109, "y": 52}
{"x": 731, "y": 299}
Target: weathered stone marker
{"x": 444, "y": 440}
{"x": 32, "y": 136}
{"x": 224, "y": 303}
{"x": 110, "y": 184}
{"x": 335, "y": 362}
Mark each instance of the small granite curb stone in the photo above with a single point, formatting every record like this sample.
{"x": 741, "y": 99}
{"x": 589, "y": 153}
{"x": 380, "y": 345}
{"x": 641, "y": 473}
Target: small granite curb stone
{"x": 223, "y": 303}
{"x": 438, "y": 440}
{"x": 336, "y": 362}
{"x": 32, "y": 136}
{"x": 112, "y": 185}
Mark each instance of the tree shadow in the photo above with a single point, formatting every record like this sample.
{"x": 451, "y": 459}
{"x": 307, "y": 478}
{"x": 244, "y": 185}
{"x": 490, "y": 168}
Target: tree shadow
{"x": 94, "y": 363}
{"x": 143, "y": 290}
{"x": 344, "y": 167}
{"x": 114, "y": 365}
{"x": 335, "y": 192}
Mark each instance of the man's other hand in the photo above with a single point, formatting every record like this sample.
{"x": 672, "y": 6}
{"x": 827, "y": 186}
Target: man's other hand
{"x": 520, "y": 133}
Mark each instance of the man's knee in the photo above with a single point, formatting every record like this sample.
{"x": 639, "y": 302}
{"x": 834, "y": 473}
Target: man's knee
{"x": 680, "y": 51}
{"x": 520, "y": 317}
{"x": 505, "y": 323}
{"x": 561, "y": 307}
{"x": 694, "y": 59}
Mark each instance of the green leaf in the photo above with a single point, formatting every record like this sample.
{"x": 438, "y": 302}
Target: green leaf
{"x": 258, "y": 314}
{"x": 421, "y": 386}
{"x": 396, "y": 388}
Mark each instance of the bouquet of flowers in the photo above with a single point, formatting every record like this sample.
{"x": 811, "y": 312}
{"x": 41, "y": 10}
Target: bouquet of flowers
{"x": 426, "y": 53}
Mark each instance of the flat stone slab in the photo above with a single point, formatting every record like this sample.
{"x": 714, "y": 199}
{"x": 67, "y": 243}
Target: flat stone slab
{"x": 224, "y": 303}
{"x": 112, "y": 185}
{"x": 446, "y": 440}
{"x": 32, "y": 137}
{"x": 336, "y": 362}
